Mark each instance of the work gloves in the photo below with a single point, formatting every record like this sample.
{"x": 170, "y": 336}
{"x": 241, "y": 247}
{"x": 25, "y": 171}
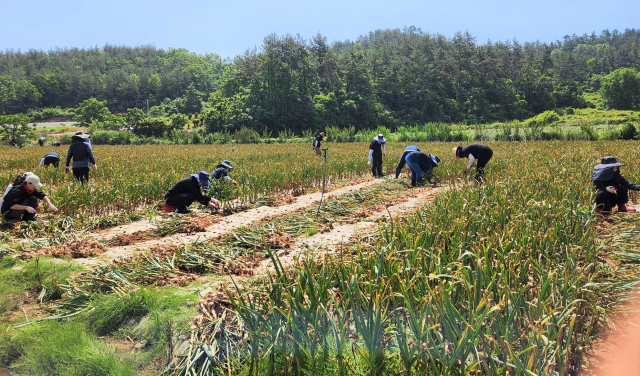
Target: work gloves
{"x": 369, "y": 163}
{"x": 53, "y": 208}
{"x": 214, "y": 203}
{"x": 612, "y": 189}
{"x": 30, "y": 210}
{"x": 94, "y": 167}
{"x": 66, "y": 169}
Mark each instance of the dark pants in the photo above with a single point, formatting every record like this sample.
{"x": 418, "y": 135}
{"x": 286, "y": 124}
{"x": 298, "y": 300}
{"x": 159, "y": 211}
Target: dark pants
{"x": 482, "y": 162}
{"x": 25, "y": 215}
{"x": 376, "y": 164}
{"x": 416, "y": 170}
{"x": 55, "y": 161}
{"x": 182, "y": 201}
{"x": 81, "y": 174}
{"x": 606, "y": 201}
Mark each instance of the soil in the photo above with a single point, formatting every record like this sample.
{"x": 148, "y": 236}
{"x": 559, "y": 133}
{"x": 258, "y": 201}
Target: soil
{"x": 222, "y": 225}
{"x": 76, "y": 248}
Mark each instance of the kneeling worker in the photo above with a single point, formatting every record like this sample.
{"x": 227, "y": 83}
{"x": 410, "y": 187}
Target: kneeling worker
{"x": 21, "y": 201}
{"x": 613, "y": 188}
{"x": 183, "y": 193}
{"x": 420, "y": 162}
{"x": 50, "y": 159}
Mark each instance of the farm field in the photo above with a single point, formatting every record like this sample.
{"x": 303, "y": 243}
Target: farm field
{"x": 516, "y": 276}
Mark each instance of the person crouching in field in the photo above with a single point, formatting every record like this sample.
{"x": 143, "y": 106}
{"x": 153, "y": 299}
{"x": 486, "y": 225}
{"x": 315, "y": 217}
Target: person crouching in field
{"x": 376, "y": 151}
{"x": 481, "y": 153}
{"x": 21, "y": 199}
{"x": 613, "y": 188}
{"x": 82, "y": 155}
{"x": 221, "y": 172}
{"x": 186, "y": 191}
{"x": 50, "y": 159}
{"x": 317, "y": 143}
{"x": 402, "y": 161}
{"x": 421, "y": 163}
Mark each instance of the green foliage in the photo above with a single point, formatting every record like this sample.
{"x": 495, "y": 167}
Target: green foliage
{"x": 151, "y": 128}
{"x": 90, "y": 110}
{"x": 621, "y": 89}
{"x": 17, "y": 128}
{"x": 135, "y": 116}
{"x": 628, "y": 131}
{"x": 178, "y": 121}
{"x": 246, "y": 136}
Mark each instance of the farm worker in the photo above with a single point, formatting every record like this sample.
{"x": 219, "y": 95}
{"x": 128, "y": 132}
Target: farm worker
{"x": 376, "y": 152}
{"x": 481, "y": 153}
{"x": 41, "y": 141}
{"x": 420, "y": 162}
{"x": 316, "y": 143}
{"x": 82, "y": 155}
{"x": 183, "y": 193}
{"x": 51, "y": 158}
{"x": 402, "y": 162}
{"x": 221, "y": 171}
{"x": 613, "y": 188}
{"x": 19, "y": 180}
{"x": 21, "y": 201}
{"x": 55, "y": 143}
{"x": 87, "y": 140}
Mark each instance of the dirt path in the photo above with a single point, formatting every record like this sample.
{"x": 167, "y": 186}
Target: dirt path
{"x": 225, "y": 226}
{"x": 342, "y": 234}
{"x": 617, "y": 353}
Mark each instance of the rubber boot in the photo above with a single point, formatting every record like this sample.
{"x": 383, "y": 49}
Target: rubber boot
{"x": 413, "y": 182}
{"x": 419, "y": 182}
{"x": 622, "y": 208}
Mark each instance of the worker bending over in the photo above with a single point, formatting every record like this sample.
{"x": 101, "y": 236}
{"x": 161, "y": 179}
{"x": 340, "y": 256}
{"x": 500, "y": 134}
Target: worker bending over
{"x": 50, "y": 159}
{"x": 475, "y": 152}
{"x": 402, "y": 161}
{"x": 221, "y": 171}
{"x": 186, "y": 191}
{"x": 420, "y": 162}
{"x": 613, "y": 188}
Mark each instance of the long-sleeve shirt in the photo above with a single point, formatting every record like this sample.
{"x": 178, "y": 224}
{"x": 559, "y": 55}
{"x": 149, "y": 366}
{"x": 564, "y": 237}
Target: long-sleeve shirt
{"x": 423, "y": 160}
{"x": 402, "y": 162}
{"x": 55, "y": 155}
{"x": 317, "y": 141}
{"x": 221, "y": 173}
{"x": 473, "y": 152}
{"x": 17, "y": 195}
{"x": 188, "y": 185}
{"x": 81, "y": 154}
{"x": 617, "y": 180}
{"x": 376, "y": 147}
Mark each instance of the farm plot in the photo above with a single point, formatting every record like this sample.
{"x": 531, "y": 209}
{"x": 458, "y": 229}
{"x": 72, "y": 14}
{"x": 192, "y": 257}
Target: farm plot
{"x": 504, "y": 278}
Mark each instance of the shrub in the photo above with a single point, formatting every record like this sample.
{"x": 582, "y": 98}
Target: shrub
{"x": 246, "y": 136}
{"x": 628, "y": 131}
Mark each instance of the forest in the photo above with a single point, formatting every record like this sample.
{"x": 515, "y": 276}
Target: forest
{"x": 389, "y": 78}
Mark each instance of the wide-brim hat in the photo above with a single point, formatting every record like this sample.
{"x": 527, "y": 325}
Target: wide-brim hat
{"x": 608, "y": 162}
{"x": 79, "y": 135}
{"x": 435, "y": 159}
{"x": 455, "y": 151}
{"x": 380, "y": 138}
{"x": 33, "y": 179}
{"x": 202, "y": 177}
{"x": 226, "y": 164}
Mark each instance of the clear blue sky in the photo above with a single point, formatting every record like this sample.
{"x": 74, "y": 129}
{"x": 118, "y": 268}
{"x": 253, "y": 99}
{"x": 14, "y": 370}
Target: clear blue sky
{"x": 229, "y": 27}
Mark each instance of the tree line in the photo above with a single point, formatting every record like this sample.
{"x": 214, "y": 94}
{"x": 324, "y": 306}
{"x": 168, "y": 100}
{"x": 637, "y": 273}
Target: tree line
{"x": 386, "y": 78}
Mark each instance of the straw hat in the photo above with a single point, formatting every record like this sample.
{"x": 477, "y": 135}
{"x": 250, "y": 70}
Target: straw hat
{"x": 455, "y": 151}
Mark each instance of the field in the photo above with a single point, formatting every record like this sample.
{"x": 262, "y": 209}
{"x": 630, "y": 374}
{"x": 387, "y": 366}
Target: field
{"x": 516, "y": 276}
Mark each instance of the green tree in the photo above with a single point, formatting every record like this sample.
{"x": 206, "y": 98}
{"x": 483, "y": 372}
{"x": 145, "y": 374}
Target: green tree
{"x": 17, "y": 127}
{"x": 135, "y": 116}
{"x": 179, "y": 121}
{"x": 620, "y": 89}
{"x": 91, "y": 109}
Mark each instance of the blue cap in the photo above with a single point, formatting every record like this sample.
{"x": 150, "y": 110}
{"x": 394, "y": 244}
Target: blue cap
{"x": 435, "y": 159}
{"x": 202, "y": 177}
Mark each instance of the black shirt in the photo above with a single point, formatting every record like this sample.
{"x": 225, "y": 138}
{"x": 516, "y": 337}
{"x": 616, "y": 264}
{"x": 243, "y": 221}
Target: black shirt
{"x": 376, "y": 147}
{"x": 317, "y": 141}
{"x": 188, "y": 185}
{"x": 81, "y": 154}
{"x": 477, "y": 150}
{"x": 18, "y": 195}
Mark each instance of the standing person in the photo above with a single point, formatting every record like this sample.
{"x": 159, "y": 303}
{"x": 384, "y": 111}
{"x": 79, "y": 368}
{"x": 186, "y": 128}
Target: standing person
{"x": 420, "y": 162}
{"x": 183, "y": 193}
{"x": 377, "y": 150}
{"x": 402, "y": 162}
{"x": 481, "y": 153}
{"x": 613, "y": 188}
{"x": 21, "y": 201}
{"x": 316, "y": 143}
{"x": 82, "y": 155}
{"x": 41, "y": 141}
{"x": 51, "y": 158}
{"x": 221, "y": 171}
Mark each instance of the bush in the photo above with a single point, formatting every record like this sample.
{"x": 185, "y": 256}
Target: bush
{"x": 246, "y": 136}
{"x": 628, "y": 131}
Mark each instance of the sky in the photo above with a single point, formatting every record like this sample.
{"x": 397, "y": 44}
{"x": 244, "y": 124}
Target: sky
{"x": 229, "y": 27}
